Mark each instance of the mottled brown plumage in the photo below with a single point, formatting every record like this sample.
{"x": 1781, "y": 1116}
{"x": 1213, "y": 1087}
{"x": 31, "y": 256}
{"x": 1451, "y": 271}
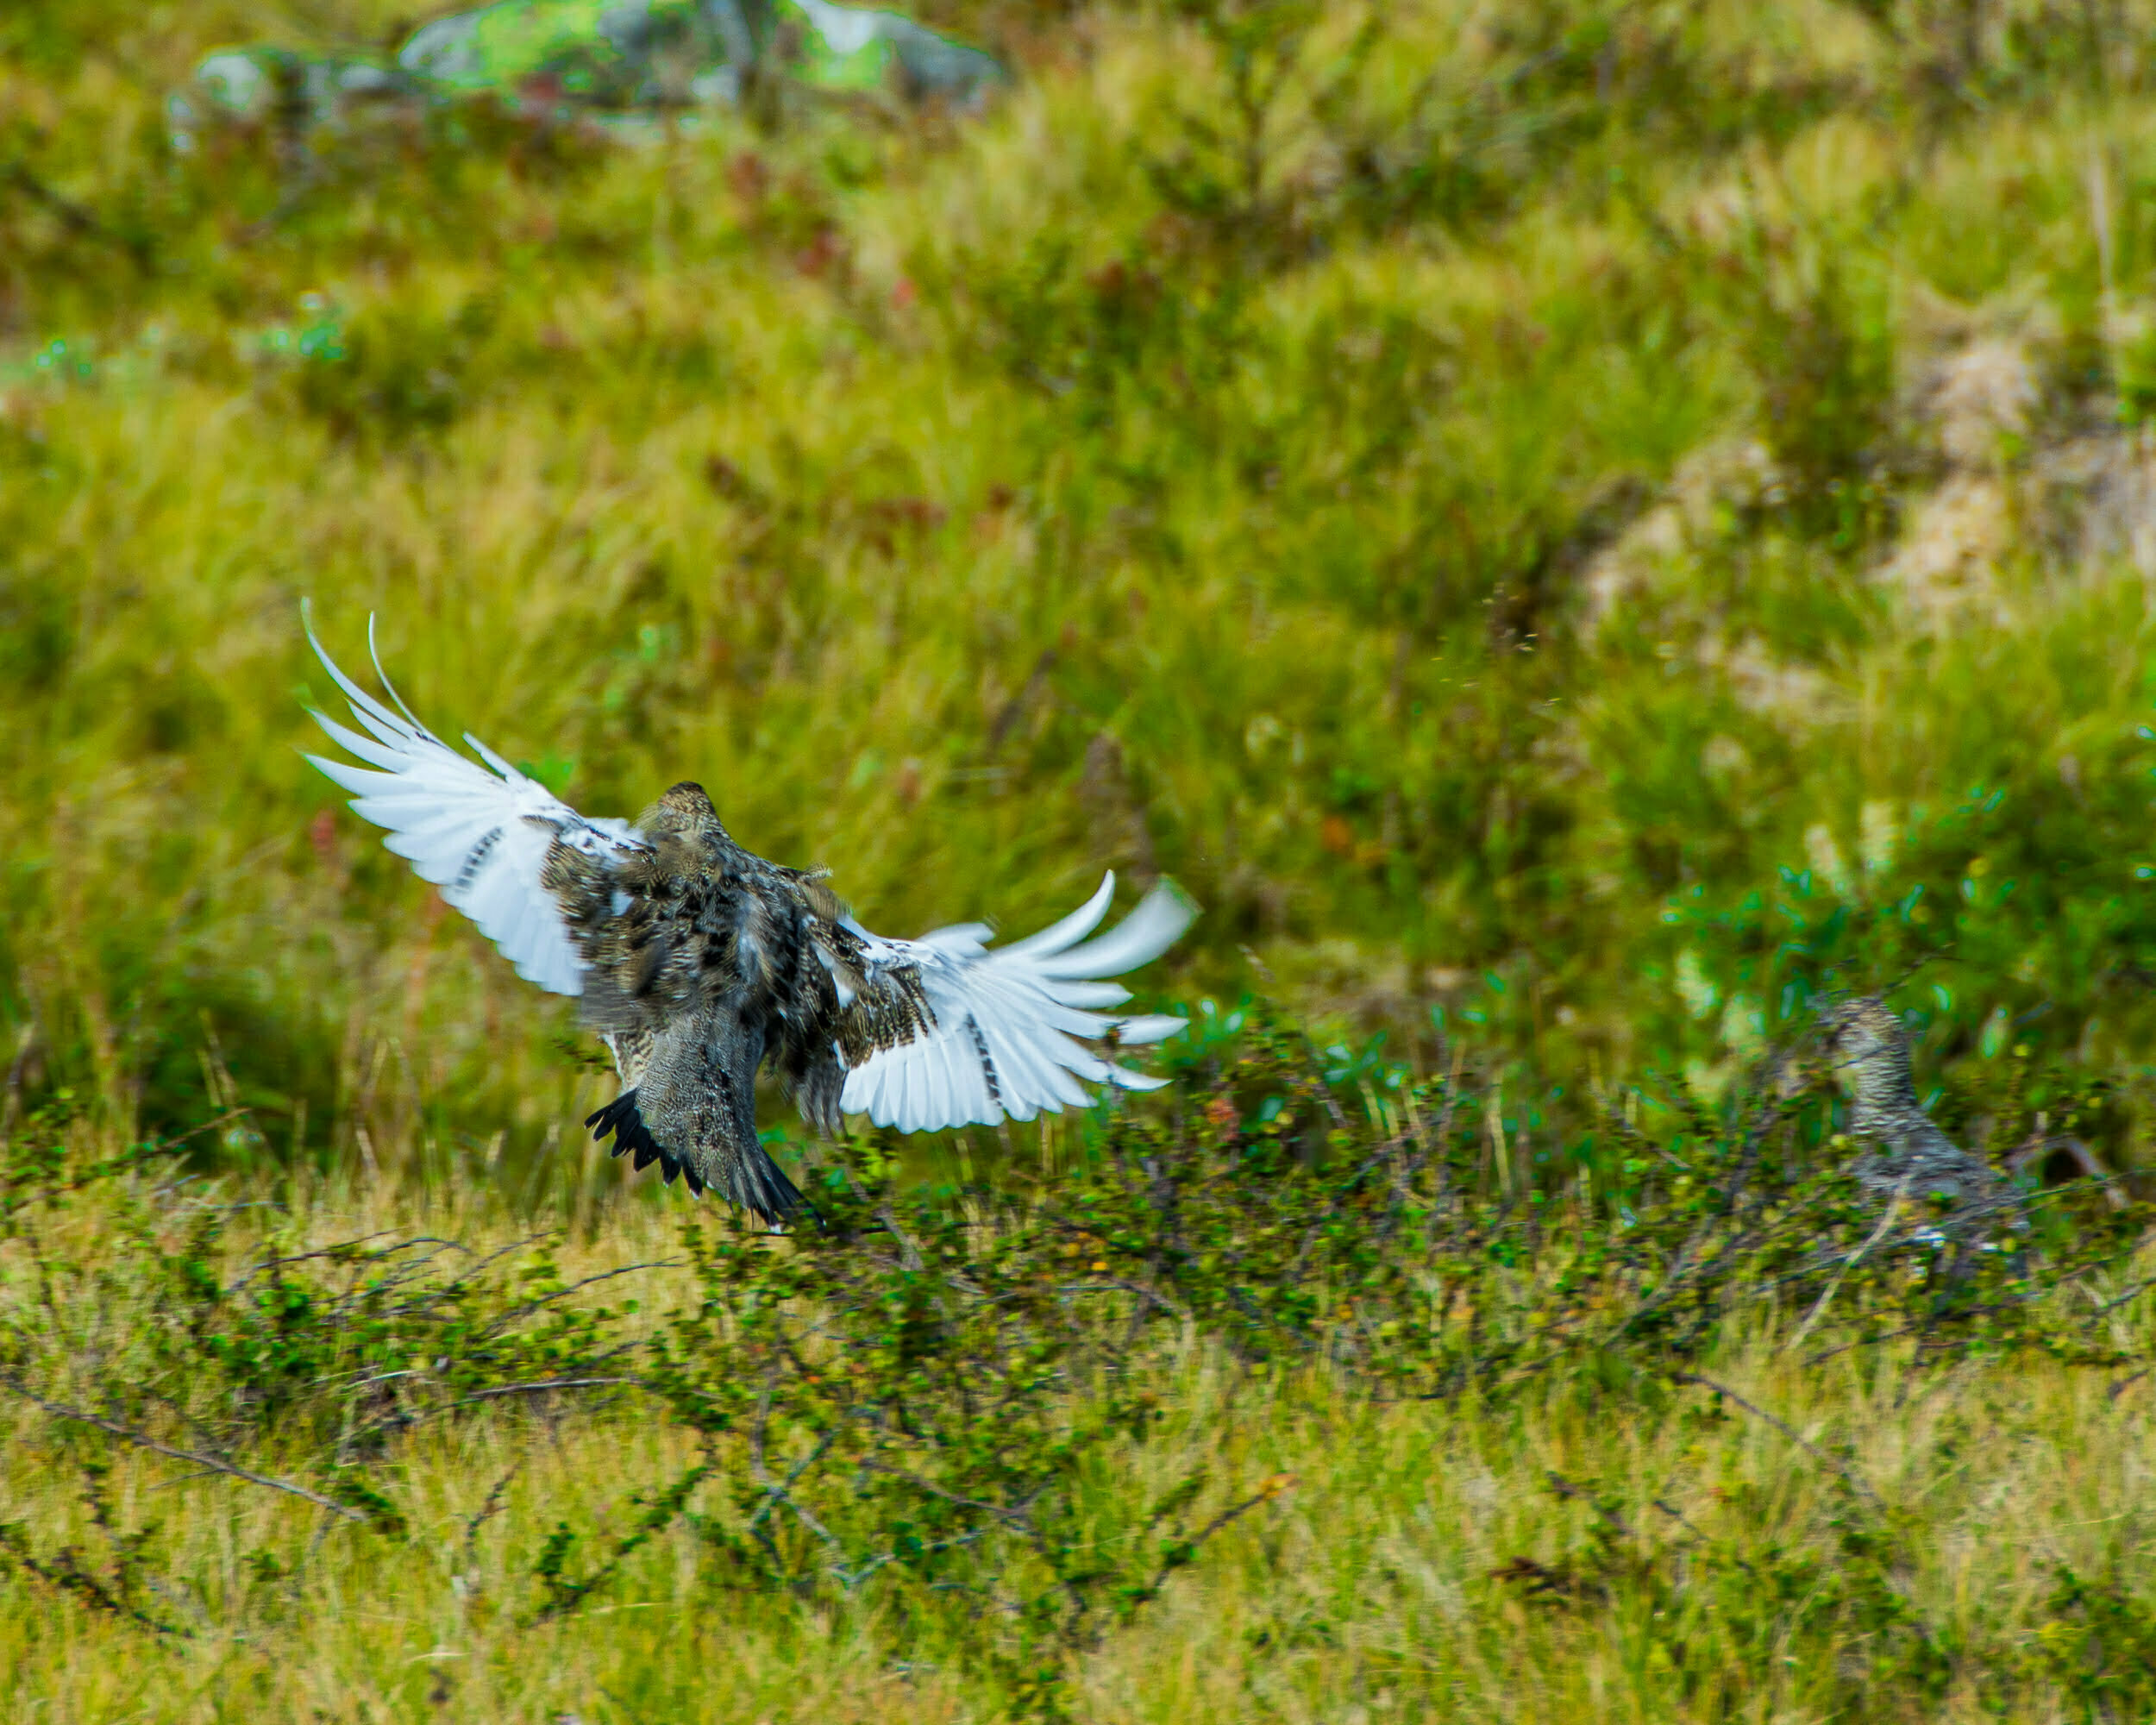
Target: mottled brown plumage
{"x": 1912, "y": 1158}
{"x": 705, "y": 959}
{"x": 698, "y": 963}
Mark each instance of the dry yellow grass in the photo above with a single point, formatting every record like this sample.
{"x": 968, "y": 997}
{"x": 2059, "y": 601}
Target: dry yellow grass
{"x": 1372, "y": 1588}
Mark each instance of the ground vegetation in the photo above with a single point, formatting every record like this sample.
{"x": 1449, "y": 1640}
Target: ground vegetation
{"x": 1580, "y": 532}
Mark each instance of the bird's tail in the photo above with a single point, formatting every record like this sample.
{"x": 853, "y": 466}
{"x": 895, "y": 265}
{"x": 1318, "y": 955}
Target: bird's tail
{"x": 752, "y": 1179}
{"x": 622, "y": 1118}
{"x": 759, "y": 1185}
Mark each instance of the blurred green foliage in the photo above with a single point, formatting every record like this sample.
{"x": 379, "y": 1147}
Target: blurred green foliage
{"x": 1429, "y": 479}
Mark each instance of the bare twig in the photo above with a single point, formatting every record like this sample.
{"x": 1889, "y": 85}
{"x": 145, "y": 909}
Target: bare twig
{"x": 1180, "y": 1551}
{"x": 337, "y": 1252}
{"x": 1692, "y": 1528}
{"x": 1856, "y": 1257}
{"x": 853, "y": 1578}
{"x": 1015, "y": 1517}
{"x": 2133, "y": 1292}
{"x": 495, "y": 1496}
{"x": 213, "y": 1463}
{"x": 910, "y": 1258}
{"x": 550, "y": 1384}
{"x": 1145, "y": 1293}
{"x": 74, "y": 217}
{"x": 1809, "y": 1448}
{"x": 67, "y": 1574}
{"x": 777, "y": 1492}
{"x": 661, "y": 1512}
{"x": 1015, "y": 708}
{"x": 1564, "y": 1487}
{"x": 121, "y": 1164}
{"x": 504, "y": 1320}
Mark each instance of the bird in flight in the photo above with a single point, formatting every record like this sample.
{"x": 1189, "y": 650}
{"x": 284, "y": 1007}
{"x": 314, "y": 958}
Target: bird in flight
{"x": 697, "y": 963}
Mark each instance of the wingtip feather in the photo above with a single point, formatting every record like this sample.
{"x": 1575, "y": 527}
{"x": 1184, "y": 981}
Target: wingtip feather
{"x": 1067, "y": 930}
{"x": 374, "y": 653}
{"x": 1157, "y": 922}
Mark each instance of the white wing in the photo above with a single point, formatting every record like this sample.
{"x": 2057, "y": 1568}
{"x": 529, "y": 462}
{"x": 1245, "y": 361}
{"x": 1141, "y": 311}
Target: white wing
{"x": 1004, "y": 1020}
{"x": 480, "y": 836}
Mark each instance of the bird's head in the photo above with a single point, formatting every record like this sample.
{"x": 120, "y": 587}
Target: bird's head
{"x": 1866, "y": 1041}
{"x": 685, "y": 810}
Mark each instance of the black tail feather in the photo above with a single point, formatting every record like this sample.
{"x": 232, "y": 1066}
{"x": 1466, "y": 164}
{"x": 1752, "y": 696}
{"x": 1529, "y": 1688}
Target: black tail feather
{"x": 759, "y": 1185}
{"x": 756, "y": 1183}
{"x": 621, "y": 1118}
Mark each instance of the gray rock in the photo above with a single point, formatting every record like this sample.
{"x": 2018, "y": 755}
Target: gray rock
{"x": 307, "y": 90}
{"x": 622, "y": 57}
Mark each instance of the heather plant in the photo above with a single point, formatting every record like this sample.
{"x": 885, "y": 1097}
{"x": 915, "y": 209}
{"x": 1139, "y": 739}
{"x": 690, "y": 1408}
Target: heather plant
{"x": 144, "y": 1322}
{"x": 969, "y": 1409}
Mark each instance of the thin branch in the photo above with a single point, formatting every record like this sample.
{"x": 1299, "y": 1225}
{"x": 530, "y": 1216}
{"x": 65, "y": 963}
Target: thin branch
{"x": 495, "y": 1497}
{"x": 121, "y": 1164}
{"x": 1144, "y": 1292}
{"x": 1894, "y": 1210}
{"x": 1564, "y": 1487}
{"x": 772, "y": 1497}
{"x": 1017, "y": 1518}
{"x": 68, "y": 1575}
{"x": 1783, "y": 1426}
{"x": 853, "y": 1578}
{"x": 1014, "y": 709}
{"x": 550, "y": 1384}
{"x": 338, "y": 1252}
{"x": 762, "y": 1476}
{"x": 1273, "y": 1488}
{"x": 507, "y": 1318}
{"x": 74, "y": 217}
{"x": 1692, "y": 1528}
{"x": 910, "y": 1258}
{"x": 214, "y": 1464}
{"x": 1234, "y": 1512}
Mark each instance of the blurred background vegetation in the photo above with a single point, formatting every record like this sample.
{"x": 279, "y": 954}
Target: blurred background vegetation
{"x": 1569, "y": 525}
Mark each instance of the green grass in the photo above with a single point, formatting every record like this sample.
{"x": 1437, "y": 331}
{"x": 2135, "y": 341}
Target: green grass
{"x": 1554, "y": 522}
{"x": 976, "y": 506}
{"x": 1882, "y": 1536}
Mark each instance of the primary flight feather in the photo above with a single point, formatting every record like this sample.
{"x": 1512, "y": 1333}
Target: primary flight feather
{"x": 697, "y": 963}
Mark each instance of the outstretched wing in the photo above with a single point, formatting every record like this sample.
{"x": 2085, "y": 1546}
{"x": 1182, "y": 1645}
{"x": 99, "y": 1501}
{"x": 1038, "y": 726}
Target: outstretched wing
{"x": 943, "y": 1032}
{"x": 481, "y": 835}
